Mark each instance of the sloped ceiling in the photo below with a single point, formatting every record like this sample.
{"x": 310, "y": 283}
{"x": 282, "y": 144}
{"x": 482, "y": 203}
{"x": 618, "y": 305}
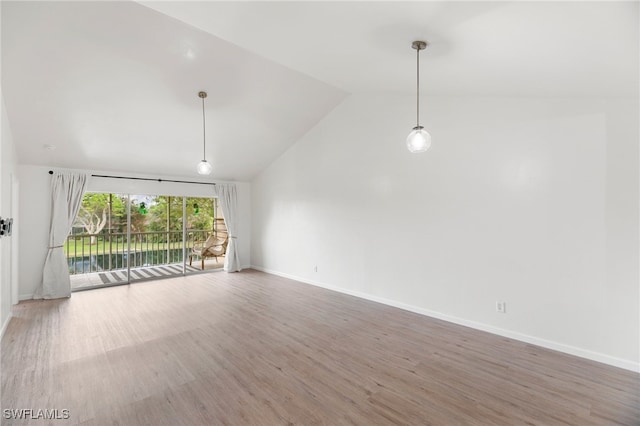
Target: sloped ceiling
{"x": 113, "y": 85}
{"x": 483, "y": 48}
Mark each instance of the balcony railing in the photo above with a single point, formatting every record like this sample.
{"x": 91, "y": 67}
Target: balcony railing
{"x": 88, "y": 253}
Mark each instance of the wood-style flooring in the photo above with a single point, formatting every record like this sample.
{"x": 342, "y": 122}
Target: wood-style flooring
{"x": 255, "y": 349}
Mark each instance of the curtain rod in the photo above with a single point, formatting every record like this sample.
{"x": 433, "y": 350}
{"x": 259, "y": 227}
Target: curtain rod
{"x": 150, "y": 179}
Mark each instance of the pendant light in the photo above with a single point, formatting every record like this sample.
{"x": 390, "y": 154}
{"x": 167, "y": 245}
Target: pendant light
{"x": 419, "y": 140}
{"x": 204, "y": 168}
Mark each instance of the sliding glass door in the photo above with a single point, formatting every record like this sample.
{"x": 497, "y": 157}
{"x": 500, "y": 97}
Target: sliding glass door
{"x": 155, "y": 237}
{"x": 205, "y": 234}
{"x": 121, "y": 238}
{"x": 96, "y": 249}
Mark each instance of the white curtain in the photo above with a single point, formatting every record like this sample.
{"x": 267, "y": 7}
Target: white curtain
{"x": 67, "y": 189}
{"x": 227, "y": 196}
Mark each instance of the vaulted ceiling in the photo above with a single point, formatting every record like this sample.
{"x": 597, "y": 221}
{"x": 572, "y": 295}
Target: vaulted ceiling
{"x": 113, "y": 85}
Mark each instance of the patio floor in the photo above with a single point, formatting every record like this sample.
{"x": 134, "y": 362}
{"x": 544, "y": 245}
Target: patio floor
{"x": 119, "y": 276}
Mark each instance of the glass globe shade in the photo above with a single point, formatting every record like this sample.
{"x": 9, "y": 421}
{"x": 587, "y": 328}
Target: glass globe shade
{"x": 419, "y": 140}
{"x": 204, "y": 168}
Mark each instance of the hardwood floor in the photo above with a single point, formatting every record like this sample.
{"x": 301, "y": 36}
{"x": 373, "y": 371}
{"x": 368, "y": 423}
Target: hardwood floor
{"x": 255, "y": 349}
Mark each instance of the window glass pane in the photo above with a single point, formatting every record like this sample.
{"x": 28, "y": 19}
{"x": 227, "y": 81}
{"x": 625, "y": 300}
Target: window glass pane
{"x": 97, "y": 242}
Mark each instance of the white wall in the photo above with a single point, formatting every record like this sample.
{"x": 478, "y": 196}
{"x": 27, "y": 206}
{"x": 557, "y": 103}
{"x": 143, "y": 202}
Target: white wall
{"x": 529, "y": 201}
{"x": 35, "y": 213}
{"x": 7, "y": 253}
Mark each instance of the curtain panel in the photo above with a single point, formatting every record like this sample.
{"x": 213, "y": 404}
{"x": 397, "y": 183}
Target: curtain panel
{"x": 67, "y": 189}
{"x": 228, "y": 199}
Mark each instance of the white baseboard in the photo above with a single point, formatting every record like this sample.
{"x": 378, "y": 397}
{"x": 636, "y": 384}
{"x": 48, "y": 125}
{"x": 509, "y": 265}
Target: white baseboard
{"x": 561, "y": 347}
{"x": 5, "y": 325}
{"x": 22, "y": 297}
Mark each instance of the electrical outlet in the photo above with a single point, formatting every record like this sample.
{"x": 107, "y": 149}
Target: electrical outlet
{"x": 501, "y": 307}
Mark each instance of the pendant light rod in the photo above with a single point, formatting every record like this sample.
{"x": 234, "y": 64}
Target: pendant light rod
{"x": 418, "y": 45}
{"x": 204, "y": 168}
{"x": 203, "y": 95}
{"x": 418, "y": 87}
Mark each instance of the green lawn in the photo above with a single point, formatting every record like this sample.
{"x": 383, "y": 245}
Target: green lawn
{"x": 75, "y": 247}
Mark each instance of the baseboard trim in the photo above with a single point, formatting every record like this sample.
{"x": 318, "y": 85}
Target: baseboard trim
{"x": 22, "y": 297}
{"x": 548, "y": 344}
{"x": 5, "y": 325}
